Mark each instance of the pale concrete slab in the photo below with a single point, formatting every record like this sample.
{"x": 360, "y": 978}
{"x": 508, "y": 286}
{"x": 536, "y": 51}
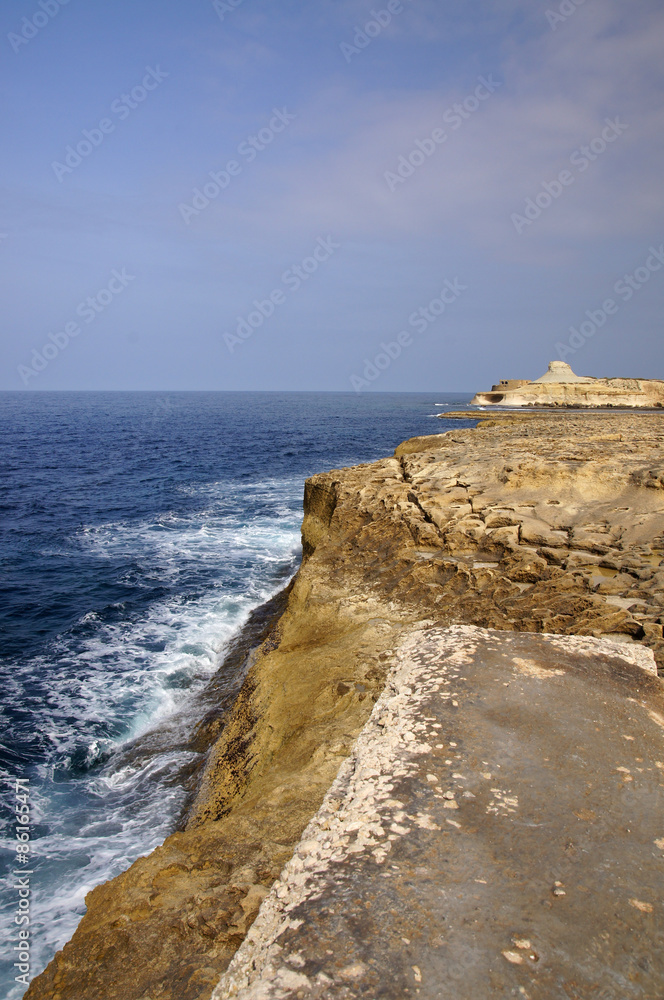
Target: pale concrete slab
{"x": 497, "y": 832}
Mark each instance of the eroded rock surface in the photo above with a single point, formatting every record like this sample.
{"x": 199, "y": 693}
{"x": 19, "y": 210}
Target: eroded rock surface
{"x": 559, "y": 386}
{"x": 534, "y": 523}
{"x": 529, "y": 523}
{"x": 497, "y": 831}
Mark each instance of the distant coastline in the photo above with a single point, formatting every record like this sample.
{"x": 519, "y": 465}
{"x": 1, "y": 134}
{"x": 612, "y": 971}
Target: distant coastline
{"x": 560, "y": 387}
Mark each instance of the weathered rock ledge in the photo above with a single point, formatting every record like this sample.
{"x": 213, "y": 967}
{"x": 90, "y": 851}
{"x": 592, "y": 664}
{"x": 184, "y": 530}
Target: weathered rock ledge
{"x": 495, "y": 832}
{"x": 532, "y": 524}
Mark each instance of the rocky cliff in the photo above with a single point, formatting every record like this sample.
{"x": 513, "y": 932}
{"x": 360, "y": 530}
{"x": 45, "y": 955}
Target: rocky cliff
{"x": 559, "y": 386}
{"x": 528, "y": 523}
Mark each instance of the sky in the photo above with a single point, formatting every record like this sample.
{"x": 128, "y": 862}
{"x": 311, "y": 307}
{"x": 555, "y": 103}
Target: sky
{"x": 399, "y": 195}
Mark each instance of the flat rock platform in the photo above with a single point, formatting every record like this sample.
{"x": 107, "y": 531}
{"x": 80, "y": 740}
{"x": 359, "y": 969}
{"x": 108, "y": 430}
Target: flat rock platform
{"x": 497, "y": 832}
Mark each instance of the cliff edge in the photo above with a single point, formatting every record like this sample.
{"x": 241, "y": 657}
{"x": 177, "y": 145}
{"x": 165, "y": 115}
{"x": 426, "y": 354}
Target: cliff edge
{"x": 559, "y": 386}
{"x": 529, "y": 524}
{"x": 496, "y": 832}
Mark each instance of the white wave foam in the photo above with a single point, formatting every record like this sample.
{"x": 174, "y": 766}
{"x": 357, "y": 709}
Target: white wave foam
{"x": 117, "y": 675}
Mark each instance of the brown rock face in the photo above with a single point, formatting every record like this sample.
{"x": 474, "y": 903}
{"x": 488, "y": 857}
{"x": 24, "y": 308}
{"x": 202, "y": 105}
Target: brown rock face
{"x": 528, "y": 523}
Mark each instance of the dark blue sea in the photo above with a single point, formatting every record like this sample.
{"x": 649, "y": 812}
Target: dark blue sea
{"x": 138, "y": 531}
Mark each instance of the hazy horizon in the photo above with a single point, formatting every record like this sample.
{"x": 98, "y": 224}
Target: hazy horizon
{"x": 340, "y": 196}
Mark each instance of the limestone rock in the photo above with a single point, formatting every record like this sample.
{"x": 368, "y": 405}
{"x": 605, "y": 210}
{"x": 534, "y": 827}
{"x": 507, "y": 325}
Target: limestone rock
{"x": 559, "y": 386}
{"x": 449, "y": 531}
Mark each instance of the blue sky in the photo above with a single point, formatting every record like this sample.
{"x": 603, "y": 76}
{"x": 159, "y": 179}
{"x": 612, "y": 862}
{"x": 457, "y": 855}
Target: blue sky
{"x": 378, "y": 166}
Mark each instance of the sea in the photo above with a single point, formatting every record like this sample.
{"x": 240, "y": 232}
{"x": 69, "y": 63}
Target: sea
{"x": 139, "y": 533}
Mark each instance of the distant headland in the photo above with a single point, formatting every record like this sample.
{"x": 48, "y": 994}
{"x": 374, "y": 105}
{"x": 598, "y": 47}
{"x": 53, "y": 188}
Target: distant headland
{"x": 561, "y": 387}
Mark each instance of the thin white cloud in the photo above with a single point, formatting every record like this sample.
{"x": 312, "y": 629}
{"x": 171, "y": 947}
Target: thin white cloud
{"x": 559, "y": 87}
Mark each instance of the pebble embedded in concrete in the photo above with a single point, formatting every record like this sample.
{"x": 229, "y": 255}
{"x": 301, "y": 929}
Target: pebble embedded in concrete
{"x": 516, "y": 838}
